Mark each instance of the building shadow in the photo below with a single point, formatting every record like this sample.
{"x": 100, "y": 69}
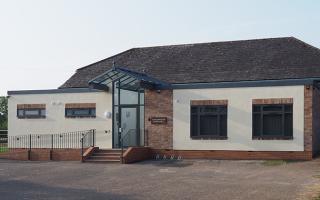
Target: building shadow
{"x": 18, "y": 189}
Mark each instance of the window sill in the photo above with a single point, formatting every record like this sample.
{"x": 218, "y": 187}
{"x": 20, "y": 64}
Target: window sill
{"x": 80, "y": 116}
{"x": 210, "y": 137}
{"x": 31, "y": 117}
{"x": 273, "y": 138}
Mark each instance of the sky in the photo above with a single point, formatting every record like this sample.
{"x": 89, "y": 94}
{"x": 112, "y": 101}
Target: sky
{"x": 43, "y": 42}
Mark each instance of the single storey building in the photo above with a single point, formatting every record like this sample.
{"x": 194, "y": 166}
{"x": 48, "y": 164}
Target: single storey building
{"x": 249, "y": 99}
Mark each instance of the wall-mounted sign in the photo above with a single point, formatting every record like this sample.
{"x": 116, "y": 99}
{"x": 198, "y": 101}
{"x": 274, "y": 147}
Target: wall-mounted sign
{"x": 158, "y": 120}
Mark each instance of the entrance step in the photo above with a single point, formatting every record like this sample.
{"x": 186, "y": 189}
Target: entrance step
{"x": 105, "y": 156}
{"x": 102, "y": 161}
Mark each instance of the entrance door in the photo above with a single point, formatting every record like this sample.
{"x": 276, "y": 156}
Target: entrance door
{"x": 129, "y": 123}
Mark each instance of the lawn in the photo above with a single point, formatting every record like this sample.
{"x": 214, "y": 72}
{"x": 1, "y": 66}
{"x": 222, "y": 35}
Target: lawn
{"x": 3, "y": 149}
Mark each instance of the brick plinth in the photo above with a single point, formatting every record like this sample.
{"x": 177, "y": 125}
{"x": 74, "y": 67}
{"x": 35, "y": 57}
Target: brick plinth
{"x": 136, "y": 154}
{"x": 234, "y": 155}
{"x": 44, "y": 154}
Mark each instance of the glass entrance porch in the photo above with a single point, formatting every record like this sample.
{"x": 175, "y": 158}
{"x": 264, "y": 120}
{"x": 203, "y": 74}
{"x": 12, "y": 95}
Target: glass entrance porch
{"x": 128, "y": 117}
{"x": 127, "y": 103}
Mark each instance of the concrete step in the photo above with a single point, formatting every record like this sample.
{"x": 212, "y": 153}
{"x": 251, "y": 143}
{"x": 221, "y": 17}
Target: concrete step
{"x": 106, "y": 154}
{"x": 102, "y": 161}
{"x": 95, "y": 157}
{"x": 109, "y": 151}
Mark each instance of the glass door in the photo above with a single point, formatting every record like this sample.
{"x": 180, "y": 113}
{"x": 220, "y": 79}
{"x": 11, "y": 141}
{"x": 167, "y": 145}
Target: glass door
{"x": 129, "y": 128}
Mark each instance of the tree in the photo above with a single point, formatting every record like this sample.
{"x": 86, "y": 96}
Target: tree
{"x": 3, "y": 113}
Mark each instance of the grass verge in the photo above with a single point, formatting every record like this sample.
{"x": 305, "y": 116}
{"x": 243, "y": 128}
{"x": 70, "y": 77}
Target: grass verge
{"x": 316, "y": 198}
{"x": 3, "y": 149}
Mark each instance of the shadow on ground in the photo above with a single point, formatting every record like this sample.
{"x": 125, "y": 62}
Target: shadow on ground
{"x": 170, "y": 163}
{"x": 15, "y": 189}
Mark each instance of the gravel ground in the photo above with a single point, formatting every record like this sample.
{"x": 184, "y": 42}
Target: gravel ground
{"x": 188, "y": 179}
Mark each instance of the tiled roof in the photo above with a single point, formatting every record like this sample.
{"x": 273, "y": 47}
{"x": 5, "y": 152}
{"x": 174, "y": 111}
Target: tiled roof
{"x": 260, "y": 59}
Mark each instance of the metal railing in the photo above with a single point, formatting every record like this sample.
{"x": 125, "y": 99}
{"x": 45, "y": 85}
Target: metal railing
{"x": 87, "y": 140}
{"x": 123, "y": 138}
{"x": 69, "y": 140}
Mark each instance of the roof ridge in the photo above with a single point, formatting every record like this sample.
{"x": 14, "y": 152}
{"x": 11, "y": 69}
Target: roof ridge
{"x": 226, "y": 41}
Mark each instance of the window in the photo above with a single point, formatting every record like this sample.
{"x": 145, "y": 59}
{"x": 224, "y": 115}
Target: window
{"x": 209, "y": 122}
{"x": 81, "y": 110}
{"x": 272, "y": 121}
{"x": 31, "y": 113}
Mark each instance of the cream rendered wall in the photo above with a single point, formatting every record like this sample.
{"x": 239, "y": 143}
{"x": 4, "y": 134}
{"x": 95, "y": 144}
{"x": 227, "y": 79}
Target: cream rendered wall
{"x": 55, "y": 121}
{"x": 239, "y": 118}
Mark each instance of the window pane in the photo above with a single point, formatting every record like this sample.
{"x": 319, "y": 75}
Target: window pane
{"x": 32, "y": 112}
{"x": 288, "y": 125}
{"x": 194, "y": 125}
{"x": 141, "y": 97}
{"x": 69, "y": 112}
{"x": 20, "y": 113}
{"x": 43, "y": 112}
{"x": 272, "y": 125}
{"x": 288, "y": 108}
{"x": 256, "y": 109}
{"x": 256, "y": 124}
{"x": 223, "y": 109}
{"x": 208, "y": 125}
{"x": 194, "y": 110}
{"x": 115, "y": 95}
{"x": 128, "y": 97}
{"x": 81, "y": 112}
{"x": 209, "y": 109}
{"x": 272, "y": 108}
{"x": 93, "y": 112}
{"x": 223, "y": 125}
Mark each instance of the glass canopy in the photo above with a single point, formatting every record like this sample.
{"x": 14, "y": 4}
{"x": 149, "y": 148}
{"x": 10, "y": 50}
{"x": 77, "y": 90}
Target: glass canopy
{"x": 128, "y": 79}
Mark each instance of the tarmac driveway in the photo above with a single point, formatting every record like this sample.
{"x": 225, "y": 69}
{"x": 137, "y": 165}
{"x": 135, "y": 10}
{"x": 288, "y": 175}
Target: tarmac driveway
{"x": 189, "y": 179}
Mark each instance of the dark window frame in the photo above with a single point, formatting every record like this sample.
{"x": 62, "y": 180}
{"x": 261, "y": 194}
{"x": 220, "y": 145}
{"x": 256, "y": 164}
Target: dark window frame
{"x": 91, "y": 111}
{"x": 26, "y": 116}
{"x": 259, "y": 110}
{"x": 221, "y": 110}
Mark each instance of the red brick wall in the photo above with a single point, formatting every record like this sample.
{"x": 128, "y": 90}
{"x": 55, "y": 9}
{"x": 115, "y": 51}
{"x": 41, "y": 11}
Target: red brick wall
{"x": 273, "y": 101}
{"x": 40, "y": 154}
{"x": 25, "y": 106}
{"x": 43, "y": 154}
{"x": 66, "y": 154}
{"x": 234, "y": 155}
{"x": 135, "y": 154}
{"x": 209, "y": 102}
{"x": 308, "y": 127}
{"x": 18, "y": 154}
{"x": 80, "y": 105}
{"x": 159, "y": 136}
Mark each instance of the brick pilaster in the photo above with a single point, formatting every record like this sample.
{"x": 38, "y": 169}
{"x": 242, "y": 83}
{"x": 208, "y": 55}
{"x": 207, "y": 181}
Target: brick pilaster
{"x": 159, "y": 104}
{"x": 308, "y": 112}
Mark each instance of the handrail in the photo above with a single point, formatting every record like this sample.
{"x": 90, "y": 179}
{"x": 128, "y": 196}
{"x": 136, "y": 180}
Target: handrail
{"x": 87, "y": 139}
{"x": 122, "y": 139}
